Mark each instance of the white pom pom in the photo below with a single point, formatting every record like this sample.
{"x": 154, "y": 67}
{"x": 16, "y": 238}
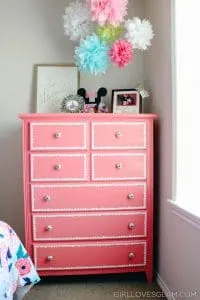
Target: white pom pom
{"x": 139, "y": 33}
{"x": 77, "y": 24}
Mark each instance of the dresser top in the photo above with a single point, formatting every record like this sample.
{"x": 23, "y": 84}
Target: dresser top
{"x": 86, "y": 116}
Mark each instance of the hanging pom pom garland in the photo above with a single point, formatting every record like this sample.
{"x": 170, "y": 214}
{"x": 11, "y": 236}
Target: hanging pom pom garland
{"x": 92, "y": 55}
{"x": 139, "y": 33}
{"x": 77, "y": 23}
{"x": 108, "y": 11}
{"x": 121, "y": 53}
{"x": 103, "y": 35}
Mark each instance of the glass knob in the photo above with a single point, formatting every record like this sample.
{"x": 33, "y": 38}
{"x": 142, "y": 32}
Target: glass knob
{"x": 118, "y": 134}
{"x": 47, "y": 198}
{"x": 119, "y": 166}
{"x": 131, "y": 196}
{"x": 50, "y": 258}
{"x": 58, "y": 167}
{"x": 49, "y": 228}
{"x": 131, "y": 225}
{"x": 58, "y": 135}
{"x": 131, "y": 255}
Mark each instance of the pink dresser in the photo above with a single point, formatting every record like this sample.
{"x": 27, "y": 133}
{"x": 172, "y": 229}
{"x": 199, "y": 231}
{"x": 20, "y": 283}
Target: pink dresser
{"x": 88, "y": 192}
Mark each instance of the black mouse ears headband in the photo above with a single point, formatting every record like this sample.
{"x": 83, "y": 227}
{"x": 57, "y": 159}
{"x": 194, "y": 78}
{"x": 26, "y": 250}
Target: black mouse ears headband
{"x": 102, "y": 92}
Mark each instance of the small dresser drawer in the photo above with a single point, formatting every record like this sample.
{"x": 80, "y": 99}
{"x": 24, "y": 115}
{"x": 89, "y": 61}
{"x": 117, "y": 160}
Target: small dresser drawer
{"x": 57, "y": 136}
{"x": 89, "y": 226}
{"x": 90, "y": 255}
{"x": 69, "y": 197}
{"x": 119, "y": 166}
{"x": 59, "y": 167}
{"x": 119, "y": 135}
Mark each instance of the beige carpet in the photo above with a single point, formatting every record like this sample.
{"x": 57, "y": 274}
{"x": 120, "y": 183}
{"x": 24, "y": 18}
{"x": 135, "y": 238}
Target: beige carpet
{"x": 126, "y": 286}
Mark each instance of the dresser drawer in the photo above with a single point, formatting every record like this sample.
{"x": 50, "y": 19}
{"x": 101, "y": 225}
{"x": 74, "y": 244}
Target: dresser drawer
{"x": 59, "y": 167}
{"x": 119, "y": 166}
{"x": 69, "y": 197}
{"x": 55, "y": 136}
{"x": 119, "y": 135}
{"x": 90, "y": 255}
{"x": 89, "y": 226}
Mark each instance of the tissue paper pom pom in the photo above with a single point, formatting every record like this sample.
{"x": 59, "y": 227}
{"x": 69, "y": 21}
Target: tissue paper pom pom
{"x": 121, "y": 53}
{"x": 92, "y": 55}
{"x": 108, "y": 11}
{"x": 139, "y": 33}
{"x": 77, "y": 22}
{"x": 109, "y": 33}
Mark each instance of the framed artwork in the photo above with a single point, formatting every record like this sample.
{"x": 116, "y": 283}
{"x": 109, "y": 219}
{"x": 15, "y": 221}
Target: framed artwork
{"x": 55, "y": 82}
{"x": 128, "y": 101}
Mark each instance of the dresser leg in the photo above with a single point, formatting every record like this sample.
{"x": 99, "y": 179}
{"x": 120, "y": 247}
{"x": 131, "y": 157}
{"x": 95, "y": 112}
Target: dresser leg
{"x": 149, "y": 276}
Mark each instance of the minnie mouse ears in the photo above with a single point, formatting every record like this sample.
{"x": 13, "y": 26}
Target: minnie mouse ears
{"x": 102, "y": 92}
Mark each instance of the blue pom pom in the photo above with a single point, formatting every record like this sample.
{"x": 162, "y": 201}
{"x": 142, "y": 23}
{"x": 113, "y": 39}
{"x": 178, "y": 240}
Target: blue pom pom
{"x": 92, "y": 55}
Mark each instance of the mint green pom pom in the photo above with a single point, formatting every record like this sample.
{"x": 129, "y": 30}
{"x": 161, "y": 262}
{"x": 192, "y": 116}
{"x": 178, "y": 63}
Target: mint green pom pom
{"x": 109, "y": 33}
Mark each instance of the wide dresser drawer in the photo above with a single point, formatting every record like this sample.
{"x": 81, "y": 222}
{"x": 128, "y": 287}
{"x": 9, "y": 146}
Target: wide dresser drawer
{"x": 58, "y": 136}
{"x": 89, "y": 226}
{"x": 72, "y": 197}
{"x": 90, "y": 255}
{"x": 119, "y": 135}
{"x": 59, "y": 167}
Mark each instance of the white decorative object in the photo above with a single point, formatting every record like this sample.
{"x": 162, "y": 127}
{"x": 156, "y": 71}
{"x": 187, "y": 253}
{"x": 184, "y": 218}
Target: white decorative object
{"x": 54, "y": 83}
{"x": 143, "y": 92}
{"x": 139, "y": 33}
{"x": 77, "y": 24}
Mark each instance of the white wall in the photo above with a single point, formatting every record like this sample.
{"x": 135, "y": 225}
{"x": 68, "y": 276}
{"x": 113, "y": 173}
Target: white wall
{"x": 31, "y": 32}
{"x": 177, "y": 254}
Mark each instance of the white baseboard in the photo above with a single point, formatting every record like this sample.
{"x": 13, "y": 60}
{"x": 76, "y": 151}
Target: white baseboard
{"x": 162, "y": 284}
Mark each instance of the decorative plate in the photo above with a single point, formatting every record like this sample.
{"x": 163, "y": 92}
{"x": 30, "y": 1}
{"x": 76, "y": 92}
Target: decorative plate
{"x": 73, "y": 104}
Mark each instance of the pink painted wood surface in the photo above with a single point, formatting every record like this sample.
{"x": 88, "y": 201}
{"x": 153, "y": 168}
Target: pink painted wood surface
{"x": 119, "y": 135}
{"x": 89, "y": 226}
{"x": 59, "y": 167}
{"x": 86, "y": 117}
{"x": 90, "y": 256}
{"x": 119, "y": 166}
{"x": 58, "y": 136}
{"x": 88, "y": 197}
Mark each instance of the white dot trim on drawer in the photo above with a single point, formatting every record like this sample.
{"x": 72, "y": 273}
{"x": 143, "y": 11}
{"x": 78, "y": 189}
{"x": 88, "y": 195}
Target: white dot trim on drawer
{"x": 98, "y": 185}
{"x": 85, "y": 171}
{"x": 84, "y": 125}
{"x": 118, "y": 178}
{"x": 100, "y": 237}
{"x": 114, "y": 244}
{"x": 144, "y": 146}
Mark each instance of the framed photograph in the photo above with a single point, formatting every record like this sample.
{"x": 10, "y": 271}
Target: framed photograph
{"x": 54, "y": 82}
{"x": 128, "y": 101}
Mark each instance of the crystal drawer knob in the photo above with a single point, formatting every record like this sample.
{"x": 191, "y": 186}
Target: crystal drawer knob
{"x": 118, "y": 134}
{"x": 131, "y": 225}
{"x": 58, "y": 135}
{"x": 131, "y": 255}
{"x": 49, "y": 228}
{"x": 58, "y": 167}
{"x": 47, "y": 198}
{"x": 50, "y": 258}
{"x": 119, "y": 166}
{"x": 131, "y": 196}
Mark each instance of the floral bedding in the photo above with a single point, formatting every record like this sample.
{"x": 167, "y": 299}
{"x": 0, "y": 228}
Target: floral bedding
{"x": 17, "y": 272}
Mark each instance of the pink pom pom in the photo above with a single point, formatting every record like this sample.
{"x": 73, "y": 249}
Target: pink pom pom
{"x": 121, "y": 53}
{"x": 108, "y": 11}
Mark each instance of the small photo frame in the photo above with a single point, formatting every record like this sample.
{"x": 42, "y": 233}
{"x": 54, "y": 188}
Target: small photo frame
{"x": 54, "y": 82}
{"x": 127, "y": 101}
